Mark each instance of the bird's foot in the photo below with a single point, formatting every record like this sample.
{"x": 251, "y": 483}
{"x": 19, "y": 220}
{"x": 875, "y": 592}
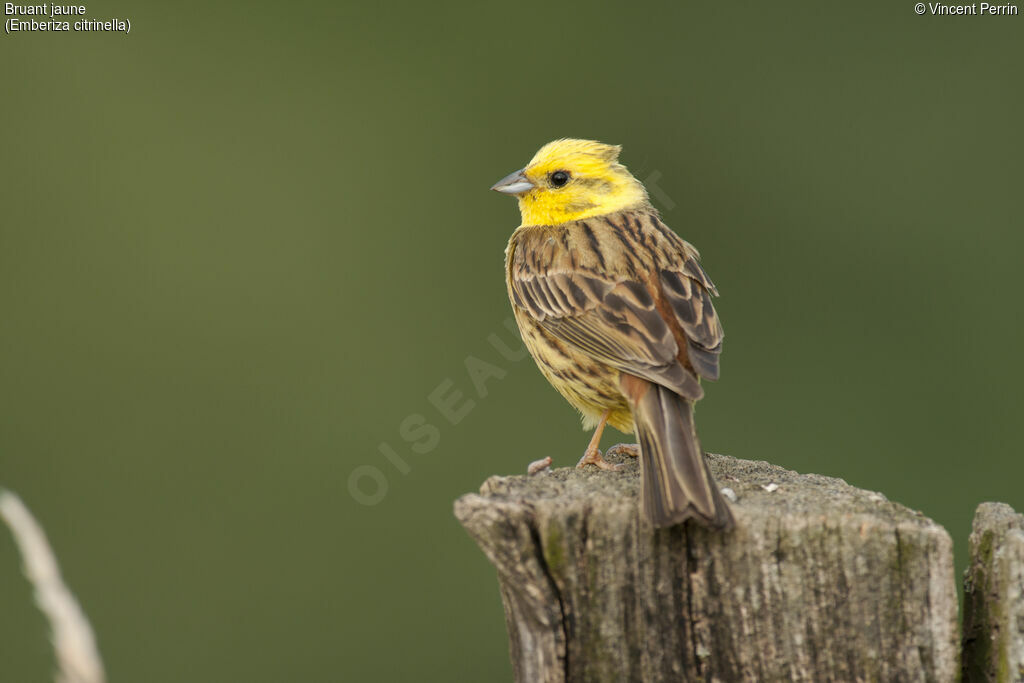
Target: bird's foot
{"x": 592, "y": 456}
{"x": 632, "y": 449}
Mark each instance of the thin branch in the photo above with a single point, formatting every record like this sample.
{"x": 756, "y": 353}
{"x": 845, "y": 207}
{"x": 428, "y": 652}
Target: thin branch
{"x": 78, "y": 660}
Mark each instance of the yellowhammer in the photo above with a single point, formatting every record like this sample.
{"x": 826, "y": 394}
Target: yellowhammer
{"x": 617, "y": 313}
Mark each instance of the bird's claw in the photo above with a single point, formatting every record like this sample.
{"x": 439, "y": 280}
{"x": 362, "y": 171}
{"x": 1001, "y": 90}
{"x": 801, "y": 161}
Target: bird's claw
{"x": 592, "y": 456}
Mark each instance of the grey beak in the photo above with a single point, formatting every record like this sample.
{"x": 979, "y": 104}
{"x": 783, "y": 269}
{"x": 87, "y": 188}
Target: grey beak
{"x": 513, "y": 183}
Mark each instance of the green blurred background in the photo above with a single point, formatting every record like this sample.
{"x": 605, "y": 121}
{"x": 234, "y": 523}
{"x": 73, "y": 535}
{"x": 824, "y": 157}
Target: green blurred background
{"x": 241, "y": 245}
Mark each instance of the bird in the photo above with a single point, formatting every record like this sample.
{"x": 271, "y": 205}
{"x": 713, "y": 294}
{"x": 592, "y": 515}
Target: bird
{"x": 617, "y": 313}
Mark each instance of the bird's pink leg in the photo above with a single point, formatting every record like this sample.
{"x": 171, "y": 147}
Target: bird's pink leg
{"x": 592, "y": 456}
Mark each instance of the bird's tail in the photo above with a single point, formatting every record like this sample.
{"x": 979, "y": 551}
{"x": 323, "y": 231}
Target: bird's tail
{"x": 677, "y": 483}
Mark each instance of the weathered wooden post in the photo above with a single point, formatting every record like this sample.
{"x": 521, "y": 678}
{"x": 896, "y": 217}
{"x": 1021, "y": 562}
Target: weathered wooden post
{"x": 820, "y": 581}
{"x": 994, "y": 596}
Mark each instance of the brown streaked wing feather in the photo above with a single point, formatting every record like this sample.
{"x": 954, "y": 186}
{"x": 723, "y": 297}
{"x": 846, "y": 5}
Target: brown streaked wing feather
{"x": 690, "y": 300}
{"x": 688, "y": 290}
{"x": 629, "y": 338}
{"x": 610, "y": 317}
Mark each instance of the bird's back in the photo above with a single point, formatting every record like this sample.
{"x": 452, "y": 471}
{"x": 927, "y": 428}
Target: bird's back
{"x": 566, "y": 275}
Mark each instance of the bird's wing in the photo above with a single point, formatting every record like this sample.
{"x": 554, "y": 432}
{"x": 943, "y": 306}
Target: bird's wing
{"x": 594, "y": 294}
{"x": 688, "y": 291}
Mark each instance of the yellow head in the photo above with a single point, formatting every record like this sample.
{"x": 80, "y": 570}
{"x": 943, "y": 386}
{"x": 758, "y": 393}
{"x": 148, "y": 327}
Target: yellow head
{"x": 572, "y": 179}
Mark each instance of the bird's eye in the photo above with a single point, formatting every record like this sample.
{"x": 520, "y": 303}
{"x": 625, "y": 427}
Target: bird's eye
{"x": 559, "y": 178}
